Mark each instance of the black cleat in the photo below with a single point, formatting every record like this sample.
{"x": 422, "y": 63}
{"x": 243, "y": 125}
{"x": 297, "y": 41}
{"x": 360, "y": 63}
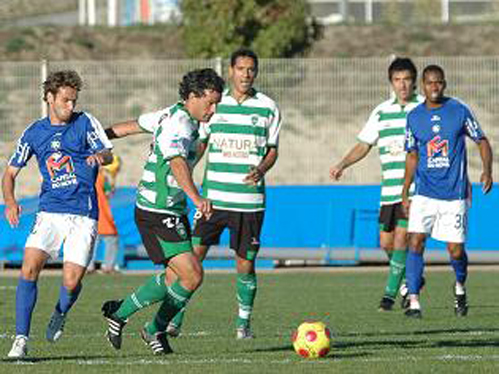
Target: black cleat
{"x": 386, "y": 304}
{"x": 413, "y": 313}
{"x": 460, "y": 305}
{"x": 115, "y": 325}
{"x": 157, "y": 342}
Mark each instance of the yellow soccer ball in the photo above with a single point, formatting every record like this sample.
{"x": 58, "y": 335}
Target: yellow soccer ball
{"x": 312, "y": 339}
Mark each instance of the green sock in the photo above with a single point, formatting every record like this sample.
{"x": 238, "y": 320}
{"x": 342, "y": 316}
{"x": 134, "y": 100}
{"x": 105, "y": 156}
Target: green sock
{"x": 151, "y": 292}
{"x": 397, "y": 273}
{"x": 175, "y": 300}
{"x": 246, "y": 292}
{"x": 178, "y": 319}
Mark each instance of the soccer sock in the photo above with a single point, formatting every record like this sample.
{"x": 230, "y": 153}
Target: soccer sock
{"x": 461, "y": 268}
{"x": 67, "y": 298}
{"x": 246, "y": 292}
{"x": 175, "y": 300}
{"x": 414, "y": 271}
{"x": 396, "y": 274}
{"x": 26, "y": 295}
{"x": 178, "y": 319}
{"x": 151, "y": 292}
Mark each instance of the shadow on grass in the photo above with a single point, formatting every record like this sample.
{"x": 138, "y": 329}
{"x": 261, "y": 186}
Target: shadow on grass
{"x": 419, "y": 332}
{"x": 35, "y": 360}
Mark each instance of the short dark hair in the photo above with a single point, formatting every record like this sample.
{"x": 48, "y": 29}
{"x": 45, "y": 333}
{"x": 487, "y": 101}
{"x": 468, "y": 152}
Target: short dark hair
{"x": 244, "y": 52}
{"x": 433, "y": 69}
{"x": 197, "y": 81}
{"x": 58, "y": 79}
{"x": 403, "y": 64}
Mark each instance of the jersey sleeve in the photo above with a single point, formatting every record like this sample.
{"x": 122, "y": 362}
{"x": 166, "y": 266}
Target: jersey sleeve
{"x": 176, "y": 138}
{"x": 370, "y": 132}
{"x": 471, "y": 125}
{"x": 274, "y": 128}
{"x": 410, "y": 143}
{"x": 149, "y": 122}
{"x": 23, "y": 152}
{"x": 96, "y": 136}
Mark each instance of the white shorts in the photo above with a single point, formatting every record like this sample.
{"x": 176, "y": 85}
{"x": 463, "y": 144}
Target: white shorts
{"x": 76, "y": 233}
{"x": 444, "y": 220}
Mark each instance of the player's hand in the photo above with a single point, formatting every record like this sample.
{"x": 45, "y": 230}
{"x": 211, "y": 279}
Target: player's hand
{"x": 254, "y": 176}
{"x": 336, "y": 172}
{"x": 204, "y": 207}
{"x": 96, "y": 159}
{"x": 406, "y": 205}
{"x": 486, "y": 180}
{"x": 12, "y": 213}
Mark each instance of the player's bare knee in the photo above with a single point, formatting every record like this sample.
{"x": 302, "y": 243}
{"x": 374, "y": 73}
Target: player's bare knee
{"x": 30, "y": 272}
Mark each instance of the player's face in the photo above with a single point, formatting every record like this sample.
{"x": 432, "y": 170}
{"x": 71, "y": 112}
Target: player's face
{"x": 403, "y": 85}
{"x": 433, "y": 87}
{"x": 203, "y": 107}
{"x": 62, "y": 104}
{"x": 242, "y": 75}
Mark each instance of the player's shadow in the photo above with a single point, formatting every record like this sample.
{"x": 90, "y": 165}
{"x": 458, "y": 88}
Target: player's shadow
{"x": 418, "y": 332}
{"x": 82, "y": 357}
{"x": 331, "y": 356}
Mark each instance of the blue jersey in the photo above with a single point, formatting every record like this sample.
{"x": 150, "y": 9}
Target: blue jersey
{"x": 68, "y": 184}
{"x": 439, "y": 137}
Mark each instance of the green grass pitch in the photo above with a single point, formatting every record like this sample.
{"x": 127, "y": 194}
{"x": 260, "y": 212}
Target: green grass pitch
{"x": 365, "y": 340}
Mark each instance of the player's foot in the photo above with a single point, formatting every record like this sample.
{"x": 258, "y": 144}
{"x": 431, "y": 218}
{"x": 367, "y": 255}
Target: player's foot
{"x": 115, "y": 325}
{"x": 404, "y": 294}
{"x": 55, "y": 326}
{"x": 386, "y": 304}
{"x": 157, "y": 342}
{"x": 19, "y": 347}
{"x": 413, "y": 313}
{"x": 244, "y": 333}
{"x": 173, "y": 330}
{"x": 460, "y": 304}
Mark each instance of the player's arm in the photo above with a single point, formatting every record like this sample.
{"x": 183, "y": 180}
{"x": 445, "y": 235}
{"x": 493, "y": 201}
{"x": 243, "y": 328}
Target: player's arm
{"x": 101, "y": 158}
{"x": 356, "y": 153}
{"x": 200, "y": 149}
{"x": 486, "y": 156}
{"x": 182, "y": 173}
{"x": 12, "y": 209}
{"x": 411, "y": 163}
{"x": 257, "y": 172}
{"x": 122, "y": 129}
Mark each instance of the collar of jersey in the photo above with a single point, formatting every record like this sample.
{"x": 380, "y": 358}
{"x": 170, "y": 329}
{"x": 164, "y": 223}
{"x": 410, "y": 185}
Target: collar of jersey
{"x": 413, "y": 99}
{"x": 180, "y": 106}
{"x": 251, "y": 94}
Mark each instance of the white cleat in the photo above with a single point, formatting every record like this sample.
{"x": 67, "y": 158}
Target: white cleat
{"x": 55, "y": 326}
{"x": 19, "y": 347}
{"x": 244, "y": 333}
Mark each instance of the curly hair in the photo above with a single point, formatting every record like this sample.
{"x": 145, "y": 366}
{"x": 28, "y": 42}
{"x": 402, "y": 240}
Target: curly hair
{"x": 58, "y": 79}
{"x": 197, "y": 81}
{"x": 403, "y": 64}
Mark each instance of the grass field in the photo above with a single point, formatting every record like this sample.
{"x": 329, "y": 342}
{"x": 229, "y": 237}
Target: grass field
{"x": 365, "y": 340}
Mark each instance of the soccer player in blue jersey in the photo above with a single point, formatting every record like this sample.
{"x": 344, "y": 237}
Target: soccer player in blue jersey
{"x": 69, "y": 147}
{"x": 436, "y": 161}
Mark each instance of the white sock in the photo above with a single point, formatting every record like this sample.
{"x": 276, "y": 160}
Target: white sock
{"x": 460, "y": 289}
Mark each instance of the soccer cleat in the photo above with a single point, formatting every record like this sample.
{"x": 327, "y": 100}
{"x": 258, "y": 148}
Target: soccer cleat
{"x": 460, "y": 305}
{"x": 157, "y": 342}
{"x": 19, "y": 347}
{"x": 413, "y": 313}
{"x": 405, "y": 303}
{"x": 244, "y": 333}
{"x": 55, "y": 326}
{"x": 115, "y": 325}
{"x": 386, "y": 304}
{"x": 173, "y": 330}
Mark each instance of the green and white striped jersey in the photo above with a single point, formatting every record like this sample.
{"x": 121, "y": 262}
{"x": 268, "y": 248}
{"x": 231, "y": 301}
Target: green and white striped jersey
{"x": 386, "y": 129}
{"x": 175, "y": 133}
{"x": 239, "y": 136}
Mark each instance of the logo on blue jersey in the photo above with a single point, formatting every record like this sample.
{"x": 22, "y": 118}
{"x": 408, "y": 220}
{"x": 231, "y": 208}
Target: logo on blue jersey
{"x": 438, "y": 153}
{"x": 61, "y": 170}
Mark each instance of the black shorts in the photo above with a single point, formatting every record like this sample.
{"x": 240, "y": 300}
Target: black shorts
{"x": 164, "y": 235}
{"x": 391, "y": 216}
{"x": 244, "y": 229}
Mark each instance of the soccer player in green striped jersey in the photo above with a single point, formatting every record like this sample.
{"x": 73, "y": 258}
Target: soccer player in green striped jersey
{"x": 241, "y": 144}
{"x": 385, "y": 129}
{"x": 161, "y": 211}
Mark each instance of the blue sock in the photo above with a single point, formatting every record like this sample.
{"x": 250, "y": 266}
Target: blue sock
{"x": 26, "y": 294}
{"x": 414, "y": 271}
{"x": 67, "y": 299}
{"x": 461, "y": 268}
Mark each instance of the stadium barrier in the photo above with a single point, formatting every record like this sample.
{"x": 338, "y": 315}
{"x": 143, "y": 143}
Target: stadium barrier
{"x": 304, "y": 225}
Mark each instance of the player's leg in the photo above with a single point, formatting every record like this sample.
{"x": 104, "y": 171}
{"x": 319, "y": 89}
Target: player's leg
{"x": 189, "y": 273}
{"x": 80, "y": 234}
{"x": 245, "y": 229}
{"x": 111, "y": 245}
{"x": 205, "y": 234}
{"x": 459, "y": 261}
{"x": 26, "y": 296}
